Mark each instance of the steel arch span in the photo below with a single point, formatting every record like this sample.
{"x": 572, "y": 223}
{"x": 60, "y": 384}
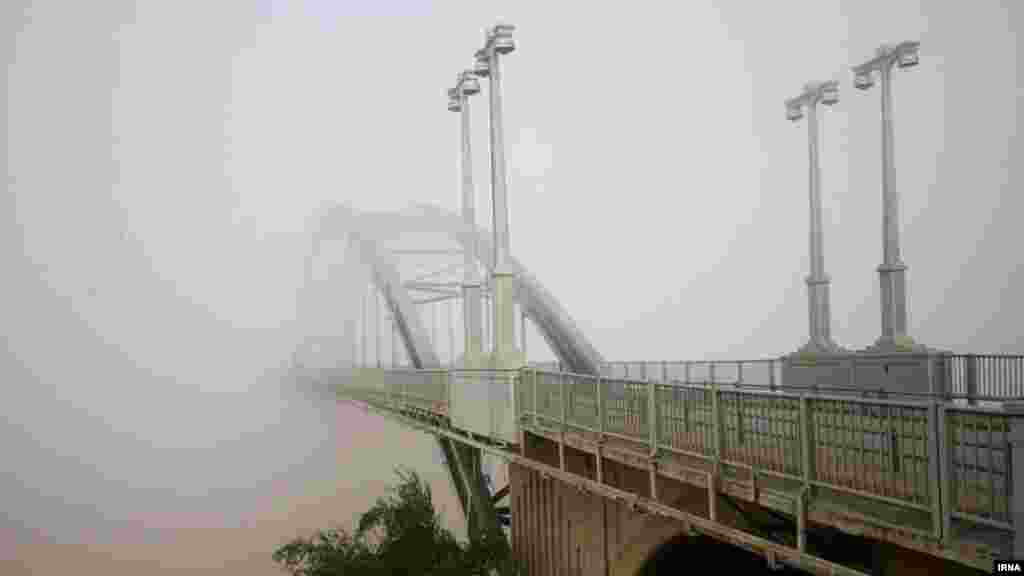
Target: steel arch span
{"x": 462, "y": 461}
{"x": 366, "y": 231}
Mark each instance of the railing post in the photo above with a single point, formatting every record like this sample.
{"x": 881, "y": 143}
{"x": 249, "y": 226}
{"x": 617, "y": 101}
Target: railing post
{"x": 712, "y": 480}
{"x": 535, "y": 417}
{"x": 934, "y": 468}
{"x": 971, "y": 378}
{"x": 807, "y": 443}
{"x": 652, "y": 416}
{"x": 933, "y": 383}
{"x": 717, "y": 427}
{"x": 771, "y": 374}
{"x": 1016, "y": 473}
{"x": 947, "y": 369}
{"x": 739, "y": 372}
{"x": 801, "y": 520}
{"x": 562, "y": 423}
{"x": 687, "y": 366}
{"x": 598, "y": 459}
{"x": 946, "y": 479}
{"x": 521, "y": 408}
{"x": 711, "y": 372}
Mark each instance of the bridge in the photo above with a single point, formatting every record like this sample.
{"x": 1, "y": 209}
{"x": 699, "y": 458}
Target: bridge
{"x": 896, "y": 457}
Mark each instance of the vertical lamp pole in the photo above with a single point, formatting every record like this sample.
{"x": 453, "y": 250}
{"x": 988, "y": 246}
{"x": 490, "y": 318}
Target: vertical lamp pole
{"x": 458, "y": 101}
{"x": 818, "y": 305}
{"x": 498, "y": 43}
{"x": 892, "y": 271}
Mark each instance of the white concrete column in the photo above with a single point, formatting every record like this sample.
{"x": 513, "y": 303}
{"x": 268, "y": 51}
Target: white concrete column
{"x": 471, "y": 316}
{"x": 892, "y": 271}
{"x": 818, "y": 299}
{"x": 505, "y": 354}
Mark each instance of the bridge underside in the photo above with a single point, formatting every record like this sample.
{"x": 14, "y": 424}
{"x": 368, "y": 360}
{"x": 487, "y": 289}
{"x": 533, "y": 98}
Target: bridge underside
{"x": 557, "y": 528}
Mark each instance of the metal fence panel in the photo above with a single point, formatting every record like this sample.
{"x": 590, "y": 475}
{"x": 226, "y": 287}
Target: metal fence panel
{"x": 762, "y": 431}
{"x": 873, "y": 447}
{"x": 981, "y": 482}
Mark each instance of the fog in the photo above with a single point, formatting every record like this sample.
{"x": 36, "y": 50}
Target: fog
{"x": 166, "y": 162}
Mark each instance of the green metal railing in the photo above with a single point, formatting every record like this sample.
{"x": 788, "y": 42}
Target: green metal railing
{"x": 949, "y": 461}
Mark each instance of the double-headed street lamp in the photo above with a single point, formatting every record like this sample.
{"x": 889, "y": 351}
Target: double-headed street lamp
{"x": 892, "y": 271}
{"x": 498, "y": 42}
{"x": 818, "y": 306}
{"x": 466, "y": 85}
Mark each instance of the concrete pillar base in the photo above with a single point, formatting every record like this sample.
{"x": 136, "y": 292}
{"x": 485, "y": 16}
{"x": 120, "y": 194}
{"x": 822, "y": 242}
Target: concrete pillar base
{"x": 899, "y": 344}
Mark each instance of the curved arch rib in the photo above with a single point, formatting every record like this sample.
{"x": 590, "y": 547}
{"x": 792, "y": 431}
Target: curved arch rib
{"x": 560, "y": 332}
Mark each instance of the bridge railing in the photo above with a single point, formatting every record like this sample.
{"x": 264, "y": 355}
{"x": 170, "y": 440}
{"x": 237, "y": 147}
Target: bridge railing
{"x": 969, "y": 378}
{"x": 978, "y": 452}
{"x": 949, "y": 462}
{"x": 985, "y": 376}
{"x": 426, "y": 390}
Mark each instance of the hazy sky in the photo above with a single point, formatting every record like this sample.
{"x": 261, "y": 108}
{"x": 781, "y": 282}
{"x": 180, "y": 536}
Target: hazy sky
{"x": 163, "y": 159}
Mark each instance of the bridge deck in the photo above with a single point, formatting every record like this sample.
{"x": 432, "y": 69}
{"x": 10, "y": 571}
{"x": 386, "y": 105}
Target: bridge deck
{"x": 939, "y": 474}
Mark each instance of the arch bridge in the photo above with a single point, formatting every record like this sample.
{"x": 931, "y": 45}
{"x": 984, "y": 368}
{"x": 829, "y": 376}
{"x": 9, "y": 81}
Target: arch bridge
{"x": 849, "y": 463}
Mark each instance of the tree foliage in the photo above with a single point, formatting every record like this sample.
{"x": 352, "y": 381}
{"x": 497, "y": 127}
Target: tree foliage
{"x": 401, "y": 535}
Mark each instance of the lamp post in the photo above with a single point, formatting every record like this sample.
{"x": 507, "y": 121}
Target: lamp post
{"x": 498, "y": 42}
{"x": 818, "y": 305}
{"x": 892, "y": 271}
{"x": 458, "y": 101}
